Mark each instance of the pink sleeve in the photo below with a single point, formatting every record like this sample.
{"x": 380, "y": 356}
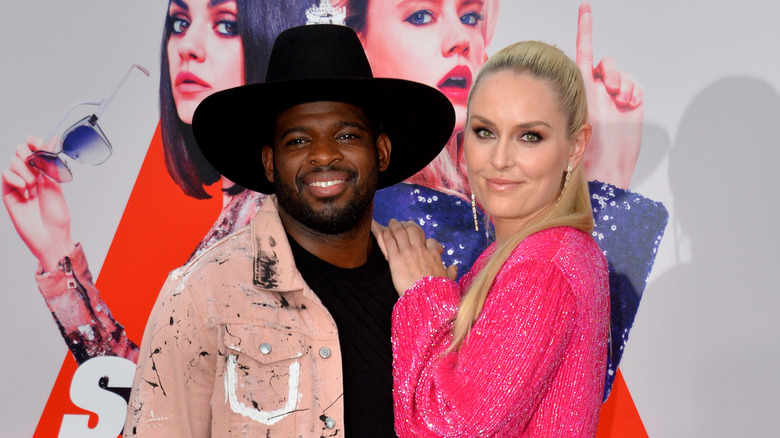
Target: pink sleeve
{"x": 174, "y": 380}
{"x": 83, "y": 318}
{"x": 503, "y": 369}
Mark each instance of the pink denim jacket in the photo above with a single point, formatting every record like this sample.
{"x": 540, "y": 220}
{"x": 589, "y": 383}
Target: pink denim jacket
{"x": 238, "y": 345}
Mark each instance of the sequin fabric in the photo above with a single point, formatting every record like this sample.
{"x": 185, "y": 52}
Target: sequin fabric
{"x": 533, "y": 364}
{"x": 627, "y": 226}
{"x": 446, "y": 218}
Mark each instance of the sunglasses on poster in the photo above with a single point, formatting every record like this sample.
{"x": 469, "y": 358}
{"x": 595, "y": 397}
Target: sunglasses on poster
{"x": 83, "y": 141}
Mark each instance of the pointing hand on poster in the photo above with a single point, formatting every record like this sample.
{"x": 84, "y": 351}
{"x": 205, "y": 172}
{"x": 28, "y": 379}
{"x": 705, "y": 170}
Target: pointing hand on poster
{"x": 37, "y": 206}
{"x": 615, "y": 111}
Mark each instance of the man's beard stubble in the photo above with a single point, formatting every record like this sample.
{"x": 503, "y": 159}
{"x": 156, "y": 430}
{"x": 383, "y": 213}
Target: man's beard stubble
{"x": 330, "y": 220}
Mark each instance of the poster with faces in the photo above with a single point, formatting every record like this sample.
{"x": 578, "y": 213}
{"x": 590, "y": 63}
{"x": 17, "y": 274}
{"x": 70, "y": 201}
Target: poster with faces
{"x": 683, "y": 99}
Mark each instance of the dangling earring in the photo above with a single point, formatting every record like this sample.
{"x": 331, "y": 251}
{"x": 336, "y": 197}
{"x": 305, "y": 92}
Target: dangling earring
{"x": 569, "y": 169}
{"x": 474, "y": 211}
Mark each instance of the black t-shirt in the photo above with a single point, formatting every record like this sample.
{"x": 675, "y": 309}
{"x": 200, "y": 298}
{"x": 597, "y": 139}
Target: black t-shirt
{"x": 361, "y": 302}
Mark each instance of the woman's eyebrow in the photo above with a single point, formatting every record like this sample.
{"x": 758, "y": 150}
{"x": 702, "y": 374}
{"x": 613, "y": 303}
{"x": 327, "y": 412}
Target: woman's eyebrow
{"x": 182, "y": 4}
{"x": 213, "y": 3}
{"x": 407, "y": 2}
{"x": 524, "y": 125}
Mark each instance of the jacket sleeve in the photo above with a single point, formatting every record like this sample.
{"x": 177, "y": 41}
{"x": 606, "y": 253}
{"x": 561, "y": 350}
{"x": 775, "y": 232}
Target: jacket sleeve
{"x": 173, "y": 385}
{"x": 84, "y": 320}
{"x": 628, "y": 228}
{"x": 504, "y": 367}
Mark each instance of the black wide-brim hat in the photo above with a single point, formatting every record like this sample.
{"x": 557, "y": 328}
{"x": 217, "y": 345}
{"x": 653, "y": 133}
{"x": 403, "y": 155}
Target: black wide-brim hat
{"x": 320, "y": 63}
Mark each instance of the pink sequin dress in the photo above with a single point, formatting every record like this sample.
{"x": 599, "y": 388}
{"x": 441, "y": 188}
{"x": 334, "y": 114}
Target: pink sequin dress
{"x": 532, "y": 365}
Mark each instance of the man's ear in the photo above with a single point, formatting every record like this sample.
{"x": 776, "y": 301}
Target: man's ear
{"x": 268, "y": 162}
{"x": 580, "y": 142}
{"x": 383, "y": 148}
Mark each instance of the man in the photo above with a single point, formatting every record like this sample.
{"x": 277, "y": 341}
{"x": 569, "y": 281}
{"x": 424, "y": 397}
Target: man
{"x": 283, "y": 328}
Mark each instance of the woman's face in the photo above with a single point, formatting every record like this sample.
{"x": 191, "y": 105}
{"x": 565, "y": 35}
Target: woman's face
{"x": 517, "y": 148}
{"x": 205, "y": 54}
{"x": 436, "y": 42}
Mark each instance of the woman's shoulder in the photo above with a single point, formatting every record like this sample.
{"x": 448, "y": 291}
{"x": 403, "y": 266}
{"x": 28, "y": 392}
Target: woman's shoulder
{"x": 560, "y": 244}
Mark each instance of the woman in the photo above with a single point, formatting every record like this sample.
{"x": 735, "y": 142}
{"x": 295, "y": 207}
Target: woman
{"x": 206, "y": 47}
{"x": 525, "y": 355}
{"x": 442, "y": 44}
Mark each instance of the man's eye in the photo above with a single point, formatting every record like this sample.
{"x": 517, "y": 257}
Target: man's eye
{"x": 420, "y": 18}
{"x": 295, "y": 142}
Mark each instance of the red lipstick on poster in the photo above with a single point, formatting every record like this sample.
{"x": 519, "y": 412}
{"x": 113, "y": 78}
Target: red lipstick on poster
{"x": 456, "y": 84}
{"x": 187, "y": 82}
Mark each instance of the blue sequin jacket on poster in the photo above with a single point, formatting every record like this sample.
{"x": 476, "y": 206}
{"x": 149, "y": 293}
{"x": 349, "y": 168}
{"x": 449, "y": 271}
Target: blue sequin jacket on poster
{"x": 628, "y": 229}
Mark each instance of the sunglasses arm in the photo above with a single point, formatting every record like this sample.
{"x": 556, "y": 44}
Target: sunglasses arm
{"x": 64, "y": 116}
{"x": 108, "y": 99}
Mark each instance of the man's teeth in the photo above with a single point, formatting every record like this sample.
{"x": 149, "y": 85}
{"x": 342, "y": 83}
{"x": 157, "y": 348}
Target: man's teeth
{"x": 326, "y": 183}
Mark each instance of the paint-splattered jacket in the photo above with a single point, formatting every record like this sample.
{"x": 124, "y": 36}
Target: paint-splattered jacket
{"x": 238, "y": 345}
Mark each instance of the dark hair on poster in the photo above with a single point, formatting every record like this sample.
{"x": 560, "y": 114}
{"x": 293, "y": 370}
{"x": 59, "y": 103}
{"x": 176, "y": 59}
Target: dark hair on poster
{"x": 259, "y": 21}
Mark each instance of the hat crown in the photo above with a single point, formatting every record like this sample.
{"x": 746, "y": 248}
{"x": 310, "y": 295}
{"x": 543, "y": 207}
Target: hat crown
{"x": 321, "y": 51}
{"x": 320, "y": 63}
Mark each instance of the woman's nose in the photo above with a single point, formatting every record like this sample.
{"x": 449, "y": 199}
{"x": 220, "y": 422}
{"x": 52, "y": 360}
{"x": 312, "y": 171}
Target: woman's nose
{"x": 501, "y": 158}
{"x": 191, "y": 45}
{"x": 456, "y": 40}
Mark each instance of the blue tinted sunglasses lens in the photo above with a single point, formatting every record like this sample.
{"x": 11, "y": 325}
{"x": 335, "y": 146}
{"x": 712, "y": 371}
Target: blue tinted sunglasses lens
{"x": 86, "y": 143}
{"x": 50, "y": 165}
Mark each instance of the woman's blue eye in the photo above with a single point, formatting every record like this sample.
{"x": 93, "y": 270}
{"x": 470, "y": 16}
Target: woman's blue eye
{"x": 471, "y": 18}
{"x": 420, "y": 18}
{"x": 227, "y": 27}
{"x": 179, "y": 25}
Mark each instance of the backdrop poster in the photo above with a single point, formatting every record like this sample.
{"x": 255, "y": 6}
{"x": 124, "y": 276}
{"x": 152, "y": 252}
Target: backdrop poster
{"x": 697, "y": 144}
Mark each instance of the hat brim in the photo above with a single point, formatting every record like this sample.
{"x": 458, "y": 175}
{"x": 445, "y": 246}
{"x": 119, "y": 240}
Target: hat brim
{"x": 232, "y": 126}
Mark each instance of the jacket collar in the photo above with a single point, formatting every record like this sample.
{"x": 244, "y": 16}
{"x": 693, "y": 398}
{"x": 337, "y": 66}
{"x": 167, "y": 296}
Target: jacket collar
{"x": 273, "y": 266}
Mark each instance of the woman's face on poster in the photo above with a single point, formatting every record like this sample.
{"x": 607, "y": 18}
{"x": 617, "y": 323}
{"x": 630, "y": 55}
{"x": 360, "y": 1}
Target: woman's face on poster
{"x": 205, "y": 53}
{"x": 436, "y": 42}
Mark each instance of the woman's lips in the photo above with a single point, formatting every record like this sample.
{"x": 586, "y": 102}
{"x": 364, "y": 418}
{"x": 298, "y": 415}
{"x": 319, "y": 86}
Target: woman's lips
{"x": 500, "y": 184}
{"x": 456, "y": 84}
{"x": 187, "y": 82}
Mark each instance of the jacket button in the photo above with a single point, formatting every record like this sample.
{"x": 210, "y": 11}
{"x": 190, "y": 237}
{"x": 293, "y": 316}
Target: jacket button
{"x": 324, "y": 352}
{"x": 265, "y": 348}
{"x": 330, "y": 423}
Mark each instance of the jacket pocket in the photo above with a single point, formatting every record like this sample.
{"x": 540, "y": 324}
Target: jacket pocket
{"x": 262, "y": 371}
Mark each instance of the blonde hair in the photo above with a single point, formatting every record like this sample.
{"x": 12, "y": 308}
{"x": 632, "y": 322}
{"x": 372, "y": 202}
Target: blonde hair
{"x": 546, "y": 62}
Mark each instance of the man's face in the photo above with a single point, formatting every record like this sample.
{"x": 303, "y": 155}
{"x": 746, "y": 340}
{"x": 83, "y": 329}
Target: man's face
{"x": 325, "y": 164}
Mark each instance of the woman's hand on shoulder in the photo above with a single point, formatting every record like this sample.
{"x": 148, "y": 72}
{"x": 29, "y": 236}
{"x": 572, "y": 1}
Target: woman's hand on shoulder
{"x": 411, "y": 256}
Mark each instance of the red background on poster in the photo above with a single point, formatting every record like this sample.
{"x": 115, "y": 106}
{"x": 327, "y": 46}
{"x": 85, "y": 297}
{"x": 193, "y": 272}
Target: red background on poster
{"x": 133, "y": 272}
